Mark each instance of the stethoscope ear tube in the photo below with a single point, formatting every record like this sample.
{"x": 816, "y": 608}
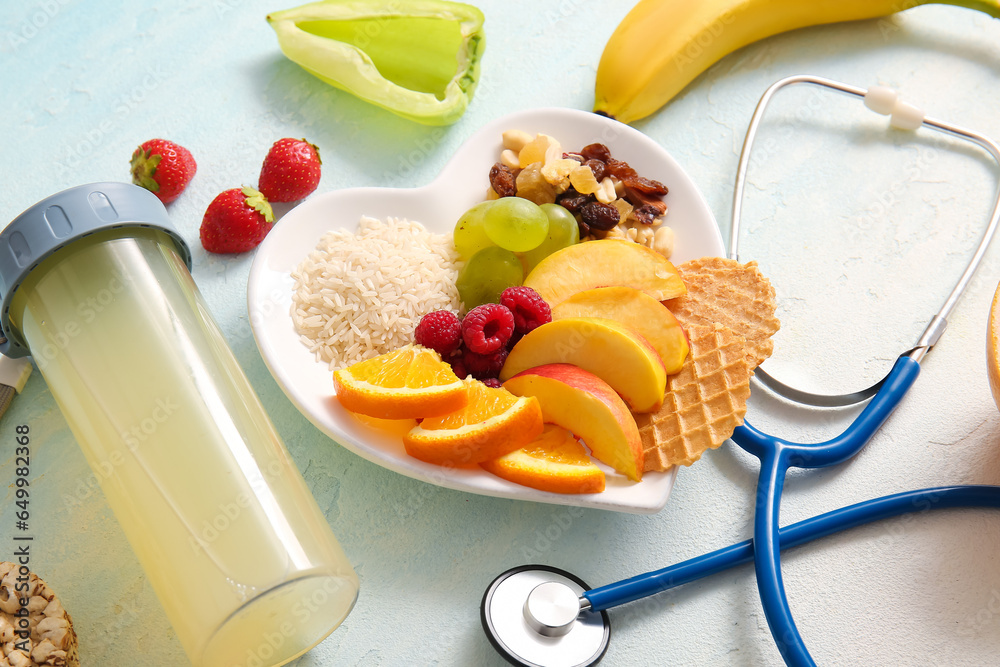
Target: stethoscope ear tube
{"x": 920, "y": 501}
{"x": 776, "y": 457}
{"x": 902, "y": 116}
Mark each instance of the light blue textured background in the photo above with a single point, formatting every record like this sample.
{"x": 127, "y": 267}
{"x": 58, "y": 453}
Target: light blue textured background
{"x": 859, "y": 228}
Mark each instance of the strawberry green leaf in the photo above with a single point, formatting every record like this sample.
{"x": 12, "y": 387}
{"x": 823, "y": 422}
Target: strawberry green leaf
{"x": 144, "y": 169}
{"x": 259, "y": 203}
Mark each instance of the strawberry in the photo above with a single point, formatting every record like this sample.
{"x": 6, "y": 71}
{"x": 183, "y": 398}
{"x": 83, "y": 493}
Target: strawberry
{"x": 291, "y": 170}
{"x": 163, "y": 167}
{"x": 236, "y": 221}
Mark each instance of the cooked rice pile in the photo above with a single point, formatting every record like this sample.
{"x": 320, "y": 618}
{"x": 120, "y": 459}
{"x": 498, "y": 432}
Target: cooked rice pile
{"x": 360, "y": 295}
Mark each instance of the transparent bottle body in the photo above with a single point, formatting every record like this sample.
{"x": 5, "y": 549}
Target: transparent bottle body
{"x": 235, "y": 546}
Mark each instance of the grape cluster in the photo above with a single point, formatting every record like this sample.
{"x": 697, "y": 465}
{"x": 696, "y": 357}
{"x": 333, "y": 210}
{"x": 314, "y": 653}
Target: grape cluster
{"x": 503, "y": 239}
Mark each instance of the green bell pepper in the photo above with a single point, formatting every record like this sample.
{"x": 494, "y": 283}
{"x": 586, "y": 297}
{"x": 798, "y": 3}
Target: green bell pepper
{"x": 416, "y": 58}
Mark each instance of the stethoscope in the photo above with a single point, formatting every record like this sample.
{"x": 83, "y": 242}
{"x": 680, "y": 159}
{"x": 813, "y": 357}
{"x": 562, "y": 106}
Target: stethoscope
{"x": 545, "y": 617}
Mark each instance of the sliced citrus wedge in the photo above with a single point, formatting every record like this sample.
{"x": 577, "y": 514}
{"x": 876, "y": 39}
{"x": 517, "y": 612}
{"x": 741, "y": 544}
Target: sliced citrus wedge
{"x": 555, "y": 461}
{"x": 494, "y": 422}
{"x": 409, "y": 383}
{"x": 993, "y": 347}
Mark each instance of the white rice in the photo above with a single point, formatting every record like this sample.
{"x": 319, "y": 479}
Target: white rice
{"x": 360, "y": 295}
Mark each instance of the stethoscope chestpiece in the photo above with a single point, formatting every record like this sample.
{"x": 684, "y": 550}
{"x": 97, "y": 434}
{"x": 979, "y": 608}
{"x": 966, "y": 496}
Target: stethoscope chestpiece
{"x": 532, "y": 615}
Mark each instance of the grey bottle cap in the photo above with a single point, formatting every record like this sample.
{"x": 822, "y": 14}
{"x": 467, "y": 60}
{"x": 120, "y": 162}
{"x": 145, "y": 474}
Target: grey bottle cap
{"x": 57, "y": 221}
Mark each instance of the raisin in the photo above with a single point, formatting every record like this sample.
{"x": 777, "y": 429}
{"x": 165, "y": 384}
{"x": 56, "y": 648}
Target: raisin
{"x": 649, "y": 186}
{"x": 626, "y": 174}
{"x": 572, "y": 200}
{"x": 645, "y": 213}
{"x": 596, "y": 152}
{"x": 502, "y": 180}
{"x": 584, "y": 228}
{"x": 599, "y": 168}
{"x": 638, "y": 198}
{"x": 600, "y": 216}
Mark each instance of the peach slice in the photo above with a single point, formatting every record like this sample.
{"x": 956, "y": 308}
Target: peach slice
{"x": 586, "y": 405}
{"x": 636, "y": 310}
{"x": 583, "y": 266}
{"x": 606, "y": 348}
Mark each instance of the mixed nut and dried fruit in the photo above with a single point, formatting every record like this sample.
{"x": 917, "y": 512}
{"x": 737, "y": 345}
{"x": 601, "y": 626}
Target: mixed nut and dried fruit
{"x": 606, "y": 195}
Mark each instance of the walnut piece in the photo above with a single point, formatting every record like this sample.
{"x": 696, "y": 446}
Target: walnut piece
{"x": 52, "y": 641}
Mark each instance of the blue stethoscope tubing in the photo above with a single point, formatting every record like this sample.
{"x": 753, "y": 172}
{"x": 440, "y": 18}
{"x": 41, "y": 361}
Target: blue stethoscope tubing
{"x": 776, "y": 457}
{"x": 918, "y": 502}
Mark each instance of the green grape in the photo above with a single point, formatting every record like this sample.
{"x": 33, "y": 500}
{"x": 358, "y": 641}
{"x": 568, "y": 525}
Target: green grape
{"x": 516, "y": 224}
{"x": 563, "y": 231}
{"x": 487, "y": 275}
{"x": 470, "y": 235}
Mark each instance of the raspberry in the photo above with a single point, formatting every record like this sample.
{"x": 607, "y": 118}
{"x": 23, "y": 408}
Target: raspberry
{"x": 528, "y": 307}
{"x": 487, "y": 328}
{"x": 482, "y": 366}
{"x": 458, "y": 368}
{"x": 493, "y": 382}
{"x": 439, "y": 330}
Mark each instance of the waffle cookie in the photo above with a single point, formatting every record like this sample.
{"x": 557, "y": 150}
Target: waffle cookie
{"x": 704, "y": 402}
{"x": 52, "y": 640}
{"x": 737, "y": 296}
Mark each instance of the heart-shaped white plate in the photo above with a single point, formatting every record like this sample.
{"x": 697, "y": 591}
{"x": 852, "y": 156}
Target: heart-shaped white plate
{"x": 462, "y": 183}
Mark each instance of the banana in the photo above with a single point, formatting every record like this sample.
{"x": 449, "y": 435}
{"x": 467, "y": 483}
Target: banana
{"x": 663, "y": 45}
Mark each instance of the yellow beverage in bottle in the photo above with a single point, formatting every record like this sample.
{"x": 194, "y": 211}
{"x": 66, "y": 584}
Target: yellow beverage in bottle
{"x": 232, "y": 540}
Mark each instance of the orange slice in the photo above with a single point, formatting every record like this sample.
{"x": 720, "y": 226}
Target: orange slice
{"x": 993, "y": 347}
{"x": 493, "y": 423}
{"x": 408, "y": 383}
{"x": 555, "y": 462}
